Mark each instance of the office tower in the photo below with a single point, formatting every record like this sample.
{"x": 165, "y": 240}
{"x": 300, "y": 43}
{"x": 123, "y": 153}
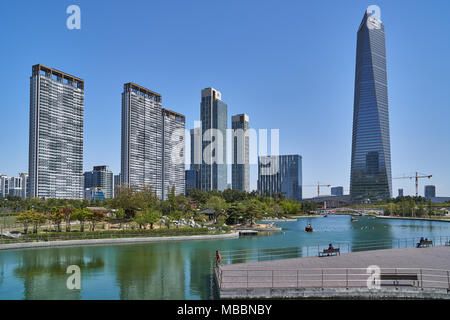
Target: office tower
{"x": 173, "y": 152}
{"x": 371, "y": 178}
{"x": 280, "y": 175}
{"x": 213, "y": 114}
{"x": 56, "y": 134}
{"x": 101, "y": 178}
{"x": 430, "y": 191}
{"x": 141, "y": 138}
{"x": 400, "y": 192}
{"x": 337, "y": 191}
{"x": 192, "y": 178}
{"x": 196, "y": 149}
{"x": 152, "y": 142}
{"x": 240, "y": 168}
{"x": 117, "y": 183}
{"x": 4, "y": 186}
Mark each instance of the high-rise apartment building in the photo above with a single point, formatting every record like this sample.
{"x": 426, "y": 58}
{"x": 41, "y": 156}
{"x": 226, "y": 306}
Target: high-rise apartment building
{"x": 400, "y": 192}
{"x": 56, "y": 134}
{"x": 240, "y": 147}
{"x": 213, "y": 114}
{"x": 14, "y": 186}
{"x": 371, "y": 178}
{"x": 280, "y": 175}
{"x": 4, "y": 185}
{"x": 141, "y": 138}
{"x": 101, "y": 178}
{"x": 152, "y": 142}
{"x": 173, "y": 152}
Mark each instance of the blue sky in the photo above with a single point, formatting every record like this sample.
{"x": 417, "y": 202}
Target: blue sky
{"x": 288, "y": 64}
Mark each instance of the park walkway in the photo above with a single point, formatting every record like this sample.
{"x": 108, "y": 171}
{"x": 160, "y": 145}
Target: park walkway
{"x": 345, "y": 275}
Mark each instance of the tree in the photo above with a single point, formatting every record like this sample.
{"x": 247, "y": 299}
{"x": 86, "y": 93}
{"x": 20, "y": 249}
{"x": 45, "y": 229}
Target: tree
{"x": 56, "y": 216}
{"x": 139, "y": 218}
{"x": 81, "y": 215}
{"x": 253, "y": 211}
{"x": 218, "y": 205}
{"x": 25, "y": 218}
{"x": 67, "y": 212}
{"x": 152, "y": 217}
{"x": 95, "y": 216}
{"x": 37, "y": 219}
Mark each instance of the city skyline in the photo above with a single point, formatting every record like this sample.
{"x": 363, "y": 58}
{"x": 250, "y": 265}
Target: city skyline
{"x": 294, "y": 138}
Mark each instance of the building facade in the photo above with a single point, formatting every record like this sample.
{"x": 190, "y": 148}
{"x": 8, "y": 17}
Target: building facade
{"x": 280, "y": 175}
{"x": 371, "y": 178}
{"x": 240, "y": 148}
{"x": 213, "y": 114}
{"x": 56, "y": 134}
{"x": 4, "y": 185}
{"x": 152, "y": 142}
{"x": 400, "y": 192}
{"x": 192, "y": 178}
{"x": 101, "y": 178}
{"x": 174, "y": 125}
{"x": 430, "y": 191}
{"x": 14, "y": 186}
{"x": 141, "y": 138}
{"x": 337, "y": 191}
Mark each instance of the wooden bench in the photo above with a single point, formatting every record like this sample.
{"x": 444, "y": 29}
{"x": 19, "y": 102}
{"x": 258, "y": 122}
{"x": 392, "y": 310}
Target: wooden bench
{"x": 396, "y": 277}
{"x": 425, "y": 243}
{"x": 330, "y": 252}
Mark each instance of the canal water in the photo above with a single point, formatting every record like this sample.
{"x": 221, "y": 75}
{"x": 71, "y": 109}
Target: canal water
{"x": 183, "y": 270}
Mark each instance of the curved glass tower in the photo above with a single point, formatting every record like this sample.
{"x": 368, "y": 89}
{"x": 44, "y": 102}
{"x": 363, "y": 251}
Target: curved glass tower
{"x": 371, "y": 178}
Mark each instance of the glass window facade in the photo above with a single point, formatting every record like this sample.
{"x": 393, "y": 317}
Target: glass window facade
{"x": 280, "y": 175}
{"x": 371, "y": 178}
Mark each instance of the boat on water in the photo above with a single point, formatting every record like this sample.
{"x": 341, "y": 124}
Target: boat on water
{"x": 309, "y": 229}
{"x": 353, "y": 219}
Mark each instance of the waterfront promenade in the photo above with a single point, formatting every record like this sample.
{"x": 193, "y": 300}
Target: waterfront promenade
{"x": 341, "y": 276}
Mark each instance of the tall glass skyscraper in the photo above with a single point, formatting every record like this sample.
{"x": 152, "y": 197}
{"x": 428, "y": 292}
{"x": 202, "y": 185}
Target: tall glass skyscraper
{"x": 240, "y": 148}
{"x": 213, "y": 113}
{"x": 56, "y": 134}
{"x": 371, "y": 178}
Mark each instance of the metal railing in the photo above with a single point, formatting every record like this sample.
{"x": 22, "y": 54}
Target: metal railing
{"x": 331, "y": 278}
{"x": 262, "y": 254}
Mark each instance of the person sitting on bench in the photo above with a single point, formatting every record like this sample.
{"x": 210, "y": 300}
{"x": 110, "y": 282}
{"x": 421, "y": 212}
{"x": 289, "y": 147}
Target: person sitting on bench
{"x": 420, "y": 242}
{"x": 330, "y": 246}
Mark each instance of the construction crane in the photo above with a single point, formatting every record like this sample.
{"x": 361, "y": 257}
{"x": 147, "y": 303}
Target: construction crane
{"x": 416, "y": 177}
{"x": 318, "y": 185}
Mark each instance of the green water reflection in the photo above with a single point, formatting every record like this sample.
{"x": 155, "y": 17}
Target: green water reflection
{"x": 183, "y": 270}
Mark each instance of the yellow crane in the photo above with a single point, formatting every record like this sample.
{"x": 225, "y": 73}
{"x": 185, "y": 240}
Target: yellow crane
{"x": 318, "y": 185}
{"x": 416, "y": 177}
